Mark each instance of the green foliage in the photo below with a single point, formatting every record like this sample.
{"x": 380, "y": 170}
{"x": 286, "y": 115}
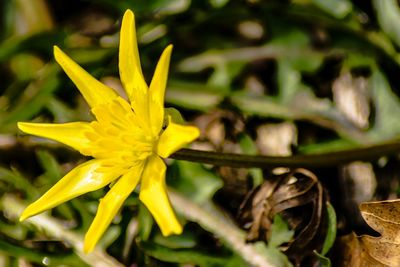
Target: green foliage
{"x": 388, "y": 13}
{"x": 386, "y": 123}
{"x": 190, "y": 256}
{"x": 280, "y": 234}
{"x": 265, "y": 61}
{"x": 330, "y": 237}
{"x": 195, "y": 182}
{"x": 337, "y": 8}
{"x": 331, "y": 234}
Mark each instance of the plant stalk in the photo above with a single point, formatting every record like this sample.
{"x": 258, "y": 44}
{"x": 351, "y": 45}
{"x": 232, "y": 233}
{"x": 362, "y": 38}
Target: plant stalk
{"x": 366, "y": 153}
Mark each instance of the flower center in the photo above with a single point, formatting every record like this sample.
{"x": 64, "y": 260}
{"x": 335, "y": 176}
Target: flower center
{"x": 118, "y": 136}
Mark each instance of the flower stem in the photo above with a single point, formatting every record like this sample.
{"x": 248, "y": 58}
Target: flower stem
{"x": 330, "y": 159}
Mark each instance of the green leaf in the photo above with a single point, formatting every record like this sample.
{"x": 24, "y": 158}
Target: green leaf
{"x": 40, "y": 42}
{"x": 388, "y": 13}
{"x": 275, "y": 256}
{"x": 195, "y": 182}
{"x": 280, "y": 232}
{"x": 16, "y": 231}
{"x": 52, "y": 174}
{"x": 264, "y": 106}
{"x": 193, "y": 96}
{"x": 39, "y": 257}
{"x": 188, "y": 256}
{"x": 223, "y": 75}
{"x": 324, "y": 261}
{"x": 110, "y": 236}
{"x": 278, "y": 257}
{"x": 14, "y": 178}
{"x": 183, "y": 241}
{"x": 336, "y": 8}
{"x": 176, "y": 116}
{"x": 296, "y": 40}
{"x": 387, "y": 108}
{"x": 49, "y": 164}
{"x": 329, "y": 238}
{"x": 328, "y": 146}
{"x": 289, "y": 37}
{"x": 88, "y": 56}
{"x": 40, "y": 92}
{"x": 146, "y": 222}
{"x": 331, "y": 234}
{"x": 289, "y": 81}
{"x": 25, "y": 66}
{"x": 61, "y": 112}
{"x": 218, "y": 3}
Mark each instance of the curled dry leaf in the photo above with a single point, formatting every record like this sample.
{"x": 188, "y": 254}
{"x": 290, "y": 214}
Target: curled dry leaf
{"x": 384, "y": 217}
{"x": 299, "y": 198}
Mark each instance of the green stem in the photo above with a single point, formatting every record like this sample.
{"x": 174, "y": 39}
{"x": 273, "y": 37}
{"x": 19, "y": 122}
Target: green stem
{"x": 366, "y": 153}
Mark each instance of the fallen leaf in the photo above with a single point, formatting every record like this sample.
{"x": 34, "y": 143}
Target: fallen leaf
{"x": 299, "y": 198}
{"x": 384, "y": 217}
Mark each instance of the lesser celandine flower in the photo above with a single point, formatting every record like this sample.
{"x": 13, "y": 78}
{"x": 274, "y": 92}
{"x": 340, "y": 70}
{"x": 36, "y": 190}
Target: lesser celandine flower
{"x": 127, "y": 140}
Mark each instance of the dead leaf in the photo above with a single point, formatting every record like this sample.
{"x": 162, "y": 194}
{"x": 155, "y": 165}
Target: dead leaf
{"x": 299, "y": 198}
{"x": 384, "y": 217}
{"x": 349, "y": 251}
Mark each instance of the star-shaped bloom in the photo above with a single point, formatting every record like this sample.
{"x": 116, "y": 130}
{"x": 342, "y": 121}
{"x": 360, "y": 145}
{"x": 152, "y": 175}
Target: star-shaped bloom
{"x": 127, "y": 140}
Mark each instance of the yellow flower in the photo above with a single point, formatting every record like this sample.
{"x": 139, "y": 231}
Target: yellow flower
{"x": 126, "y": 141}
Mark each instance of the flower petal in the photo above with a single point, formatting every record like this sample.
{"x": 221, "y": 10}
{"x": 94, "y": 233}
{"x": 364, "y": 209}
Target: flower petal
{"x": 80, "y": 180}
{"x": 175, "y": 137}
{"x": 157, "y": 91}
{"x": 110, "y": 205}
{"x": 154, "y": 195}
{"x": 130, "y": 70}
{"x": 71, "y": 134}
{"x": 92, "y": 90}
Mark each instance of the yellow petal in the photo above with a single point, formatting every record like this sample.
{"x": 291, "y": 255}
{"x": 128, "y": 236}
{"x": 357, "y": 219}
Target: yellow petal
{"x": 92, "y": 90}
{"x": 110, "y": 205}
{"x": 71, "y": 134}
{"x": 175, "y": 137}
{"x": 154, "y": 195}
{"x": 130, "y": 70}
{"x": 80, "y": 180}
{"x": 157, "y": 91}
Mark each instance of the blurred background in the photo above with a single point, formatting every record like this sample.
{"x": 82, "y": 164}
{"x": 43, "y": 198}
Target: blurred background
{"x": 275, "y": 78}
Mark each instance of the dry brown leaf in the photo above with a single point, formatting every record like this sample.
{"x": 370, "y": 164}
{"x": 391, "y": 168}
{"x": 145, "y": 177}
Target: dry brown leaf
{"x": 299, "y": 198}
{"x": 384, "y": 217}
